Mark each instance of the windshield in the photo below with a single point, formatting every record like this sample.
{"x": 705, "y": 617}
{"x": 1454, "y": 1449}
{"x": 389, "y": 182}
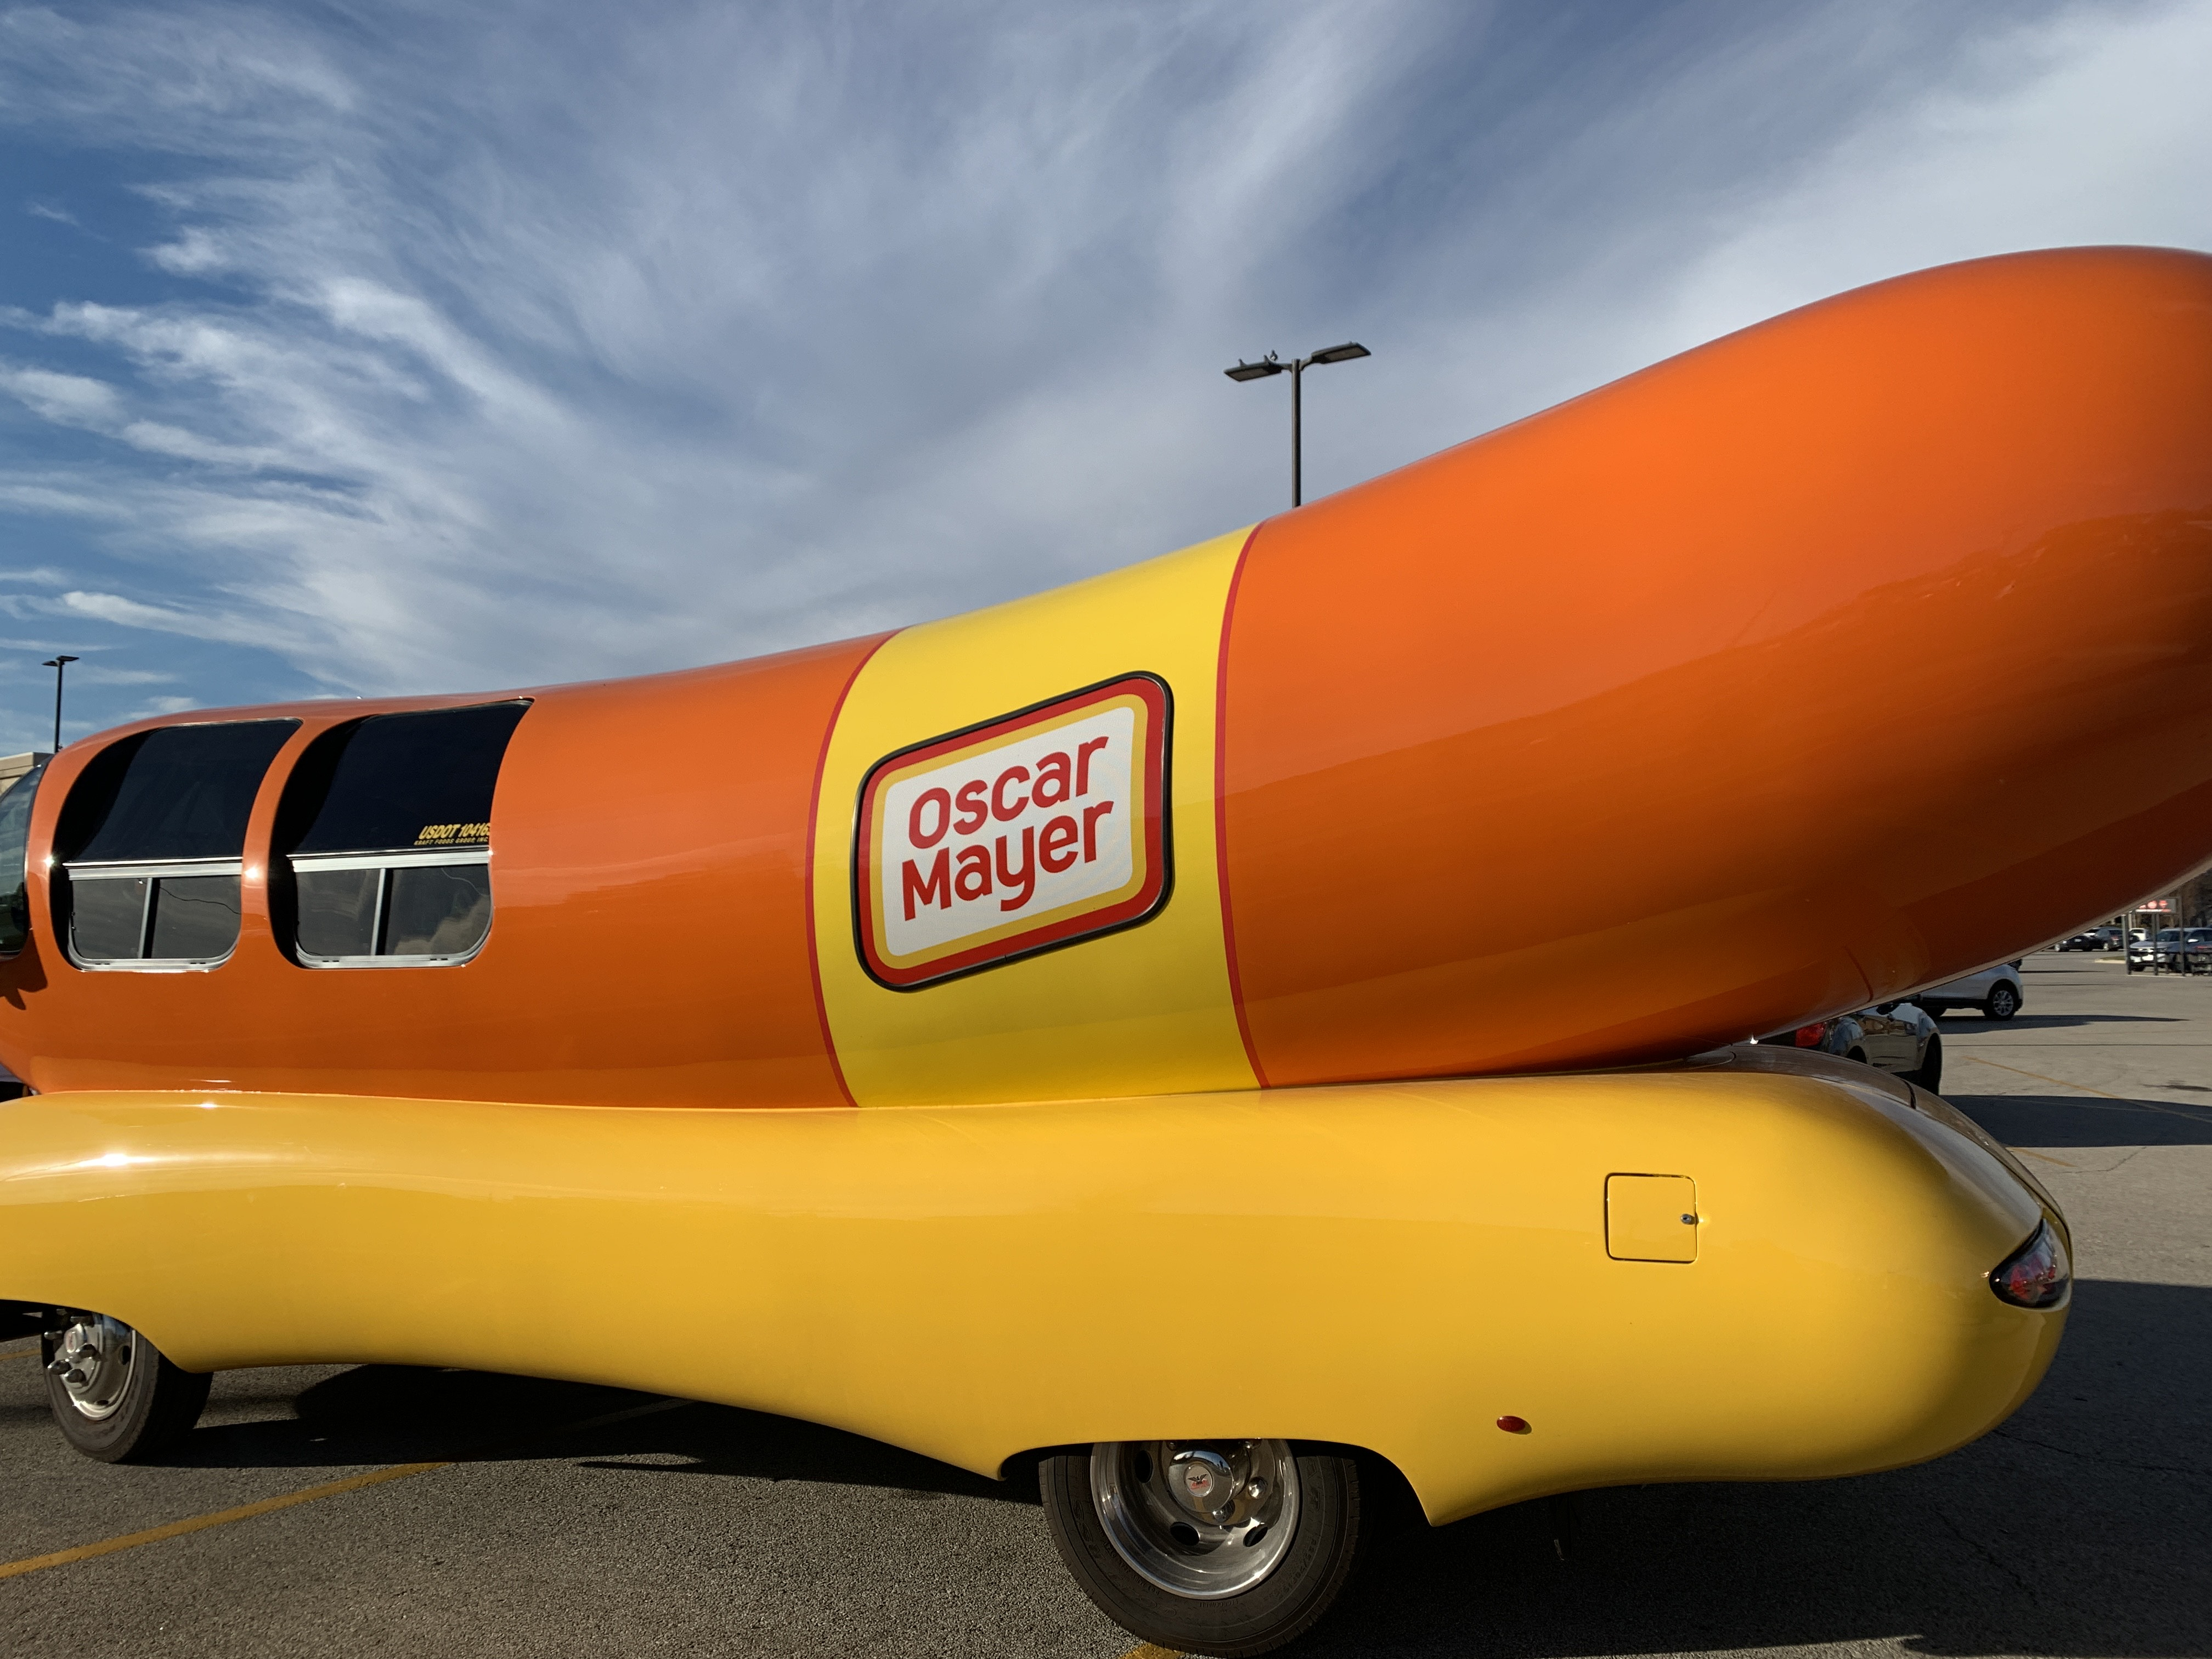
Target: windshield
{"x": 15, "y": 851}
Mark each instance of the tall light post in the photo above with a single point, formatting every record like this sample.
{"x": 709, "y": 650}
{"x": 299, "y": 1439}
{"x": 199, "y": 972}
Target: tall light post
{"x": 1296, "y": 369}
{"x": 60, "y": 666}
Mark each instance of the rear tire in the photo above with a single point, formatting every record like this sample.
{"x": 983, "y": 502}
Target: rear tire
{"x": 2003, "y": 1002}
{"x": 114, "y": 1395}
{"x": 1216, "y": 1611}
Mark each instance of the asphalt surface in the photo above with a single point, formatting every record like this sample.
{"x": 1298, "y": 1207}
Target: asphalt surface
{"x": 587, "y": 1520}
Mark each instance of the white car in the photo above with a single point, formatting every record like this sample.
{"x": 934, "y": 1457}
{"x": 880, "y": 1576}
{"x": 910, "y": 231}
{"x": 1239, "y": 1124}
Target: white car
{"x": 1995, "y": 991}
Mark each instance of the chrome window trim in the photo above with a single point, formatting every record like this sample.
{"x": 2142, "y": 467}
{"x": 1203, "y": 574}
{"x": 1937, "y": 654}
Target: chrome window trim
{"x": 307, "y": 961}
{"x": 303, "y": 862}
{"x": 153, "y": 871}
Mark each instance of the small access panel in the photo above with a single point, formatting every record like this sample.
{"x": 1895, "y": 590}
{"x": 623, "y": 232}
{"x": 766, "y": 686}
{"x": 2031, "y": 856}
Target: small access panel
{"x": 1651, "y": 1217}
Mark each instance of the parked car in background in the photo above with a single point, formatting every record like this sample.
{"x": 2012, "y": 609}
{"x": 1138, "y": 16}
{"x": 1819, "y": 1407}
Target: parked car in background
{"x": 1897, "y": 1036}
{"x": 2094, "y": 939}
{"x": 1995, "y": 991}
{"x": 2180, "y": 949}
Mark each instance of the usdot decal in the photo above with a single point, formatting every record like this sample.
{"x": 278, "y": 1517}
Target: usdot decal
{"x": 1029, "y": 831}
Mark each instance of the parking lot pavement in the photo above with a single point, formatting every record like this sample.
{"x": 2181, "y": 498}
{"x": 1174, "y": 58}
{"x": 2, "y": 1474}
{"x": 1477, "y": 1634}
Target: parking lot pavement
{"x": 585, "y": 1521}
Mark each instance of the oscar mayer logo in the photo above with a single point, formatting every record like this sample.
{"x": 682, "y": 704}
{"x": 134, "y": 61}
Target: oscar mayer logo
{"x": 1029, "y": 831}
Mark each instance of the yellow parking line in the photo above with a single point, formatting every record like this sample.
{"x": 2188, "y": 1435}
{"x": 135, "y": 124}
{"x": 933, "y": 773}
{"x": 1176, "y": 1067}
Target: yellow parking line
{"x": 1151, "y": 1650}
{"x": 308, "y": 1495}
{"x": 131, "y": 1540}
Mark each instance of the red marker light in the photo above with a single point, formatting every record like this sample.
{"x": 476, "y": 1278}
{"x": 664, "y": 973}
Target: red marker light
{"x": 2036, "y": 1275}
{"x": 1808, "y": 1037}
{"x": 1514, "y": 1424}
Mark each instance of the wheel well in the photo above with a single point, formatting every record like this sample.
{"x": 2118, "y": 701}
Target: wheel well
{"x": 1390, "y": 1498}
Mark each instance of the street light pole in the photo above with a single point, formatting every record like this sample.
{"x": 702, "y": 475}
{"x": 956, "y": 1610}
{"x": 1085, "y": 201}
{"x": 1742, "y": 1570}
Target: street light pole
{"x": 1296, "y": 369}
{"x": 60, "y": 666}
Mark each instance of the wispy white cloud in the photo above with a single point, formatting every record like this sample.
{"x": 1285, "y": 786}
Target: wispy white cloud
{"x": 93, "y": 673}
{"x": 67, "y": 399}
{"x": 490, "y": 350}
{"x": 231, "y": 629}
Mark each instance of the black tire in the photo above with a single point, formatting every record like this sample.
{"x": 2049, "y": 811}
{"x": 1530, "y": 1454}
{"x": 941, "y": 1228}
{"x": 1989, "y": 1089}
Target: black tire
{"x": 157, "y": 1407}
{"x": 1279, "y": 1608}
{"x": 1858, "y": 1055}
{"x": 1930, "y": 1074}
{"x": 2002, "y": 1002}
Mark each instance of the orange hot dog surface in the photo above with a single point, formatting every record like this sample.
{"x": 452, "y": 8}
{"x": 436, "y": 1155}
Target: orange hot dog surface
{"x": 1834, "y": 658}
{"x": 1838, "y": 657}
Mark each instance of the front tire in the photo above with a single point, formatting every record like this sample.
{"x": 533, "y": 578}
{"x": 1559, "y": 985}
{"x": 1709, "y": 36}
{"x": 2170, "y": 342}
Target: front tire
{"x": 115, "y": 1395}
{"x": 2003, "y": 1002}
{"x": 1230, "y": 1547}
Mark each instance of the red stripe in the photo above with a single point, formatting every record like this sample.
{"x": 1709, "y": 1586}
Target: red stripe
{"x": 1221, "y": 806}
{"x": 813, "y": 819}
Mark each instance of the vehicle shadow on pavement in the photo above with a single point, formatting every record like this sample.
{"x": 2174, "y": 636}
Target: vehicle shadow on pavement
{"x": 1959, "y": 1020}
{"x": 2055, "y": 1120}
{"x": 2077, "y": 1528}
{"x": 374, "y": 1414}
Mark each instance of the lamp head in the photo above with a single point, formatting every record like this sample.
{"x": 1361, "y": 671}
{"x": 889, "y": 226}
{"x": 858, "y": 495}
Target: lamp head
{"x": 1258, "y": 371}
{"x": 1341, "y": 354}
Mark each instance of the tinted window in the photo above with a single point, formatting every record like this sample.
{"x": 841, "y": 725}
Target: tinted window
{"x": 386, "y": 830}
{"x": 183, "y": 792}
{"x": 409, "y": 781}
{"x": 195, "y": 917}
{"x": 107, "y": 921}
{"x": 14, "y": 854}
{"x": 337, "y": 912}
{"x": 439, "y": 910}
{"x": 152, "y": 838}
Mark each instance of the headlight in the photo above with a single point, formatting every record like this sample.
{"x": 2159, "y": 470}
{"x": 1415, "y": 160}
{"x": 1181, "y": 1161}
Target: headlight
{"x": 2036, "y": 1275}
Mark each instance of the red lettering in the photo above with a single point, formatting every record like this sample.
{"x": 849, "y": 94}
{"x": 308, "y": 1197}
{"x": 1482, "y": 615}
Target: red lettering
{"x": 944, "y": 819}
{"x": 1024, "y": 877}
{"x": 974, "y": 881}
{"x": 938, "y": 886}
{"x": 1090, "y": 816}
{"x": 999, "y": 810}
{"x": 971, "y": 799}
{"x": 1052, "y": 769}
{"x": 1059, "y": 832}
{"x": 1083, "y": 764}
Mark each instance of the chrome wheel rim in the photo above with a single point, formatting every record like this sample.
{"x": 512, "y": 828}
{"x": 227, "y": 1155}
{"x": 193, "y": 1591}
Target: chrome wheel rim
{"x": 1197, "y": 1518}
{"x": 92, "y": 1358}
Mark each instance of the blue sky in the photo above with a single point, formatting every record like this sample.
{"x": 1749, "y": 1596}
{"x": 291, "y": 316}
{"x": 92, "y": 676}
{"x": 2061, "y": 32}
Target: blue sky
{"x": 359, "y": 349}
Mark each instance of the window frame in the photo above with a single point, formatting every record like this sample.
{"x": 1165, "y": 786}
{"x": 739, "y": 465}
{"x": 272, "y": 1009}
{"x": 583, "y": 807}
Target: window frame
{"x": 64, "y": 874}
{"x": 384, "y": 864}
{"x": 153, "y": 871}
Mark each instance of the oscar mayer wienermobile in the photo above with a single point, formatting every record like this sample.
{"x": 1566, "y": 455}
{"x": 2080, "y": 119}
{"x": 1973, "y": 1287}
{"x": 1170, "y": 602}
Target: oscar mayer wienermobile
{"x": 1262, "y": 1023}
